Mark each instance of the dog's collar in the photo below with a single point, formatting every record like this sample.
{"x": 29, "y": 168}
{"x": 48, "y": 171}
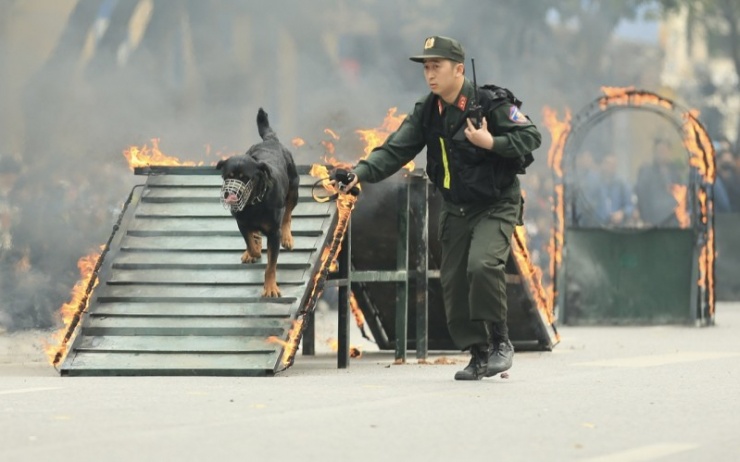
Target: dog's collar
{"x": 257, "y": 198}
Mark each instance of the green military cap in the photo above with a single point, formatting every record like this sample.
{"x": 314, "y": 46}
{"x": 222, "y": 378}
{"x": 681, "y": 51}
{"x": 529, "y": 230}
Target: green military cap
{"x": 441, "y": 47}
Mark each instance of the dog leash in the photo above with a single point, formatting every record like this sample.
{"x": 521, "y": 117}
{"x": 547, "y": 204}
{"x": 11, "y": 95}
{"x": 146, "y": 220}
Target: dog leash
{"x": 342, "y": 176}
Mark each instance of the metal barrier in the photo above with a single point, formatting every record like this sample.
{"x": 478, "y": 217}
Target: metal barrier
{"x": 394, "y": 243}
{"x": 728, "y": 256}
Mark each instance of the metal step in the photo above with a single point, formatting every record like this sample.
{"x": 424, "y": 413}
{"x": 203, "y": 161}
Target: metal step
{"x": 173, "y": 296}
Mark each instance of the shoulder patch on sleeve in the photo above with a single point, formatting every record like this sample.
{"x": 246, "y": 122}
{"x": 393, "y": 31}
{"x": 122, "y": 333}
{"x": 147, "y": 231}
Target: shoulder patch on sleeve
{"x": 515, "y": 115}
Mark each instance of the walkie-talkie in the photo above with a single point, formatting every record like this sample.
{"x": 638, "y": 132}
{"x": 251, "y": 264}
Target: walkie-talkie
{"x": 476, "y": 110}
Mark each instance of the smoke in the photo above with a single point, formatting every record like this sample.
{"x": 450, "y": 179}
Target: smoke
{"x": 193, "y": 74}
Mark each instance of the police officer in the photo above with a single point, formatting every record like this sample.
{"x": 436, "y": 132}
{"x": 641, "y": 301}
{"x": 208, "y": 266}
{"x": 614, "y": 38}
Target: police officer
{"x": 474, "y": 166}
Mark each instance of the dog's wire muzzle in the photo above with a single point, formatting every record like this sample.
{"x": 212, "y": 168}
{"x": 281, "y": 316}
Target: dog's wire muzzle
{"x": 240, "y": 189}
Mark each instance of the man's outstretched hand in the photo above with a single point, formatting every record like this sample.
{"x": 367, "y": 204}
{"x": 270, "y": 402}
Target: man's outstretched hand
{"x": 345, "y": 181}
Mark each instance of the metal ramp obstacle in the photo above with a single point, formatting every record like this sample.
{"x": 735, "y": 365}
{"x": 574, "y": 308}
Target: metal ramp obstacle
{"x": 173, "y": 297}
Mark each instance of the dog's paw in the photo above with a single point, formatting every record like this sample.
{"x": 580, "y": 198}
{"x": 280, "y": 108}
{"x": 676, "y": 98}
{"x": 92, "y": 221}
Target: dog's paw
{"x": 287, "y": 242}
{"x": 271, "y": 291}
{"x": 248, "y": 258}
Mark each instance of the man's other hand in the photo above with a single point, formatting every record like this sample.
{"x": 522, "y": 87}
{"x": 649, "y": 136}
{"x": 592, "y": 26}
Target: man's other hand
{"x": 480, "y": 137}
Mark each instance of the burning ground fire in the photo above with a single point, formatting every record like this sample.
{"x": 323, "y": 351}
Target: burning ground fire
{"x": 354, "y": 352}
{"x": 701, "y": 158}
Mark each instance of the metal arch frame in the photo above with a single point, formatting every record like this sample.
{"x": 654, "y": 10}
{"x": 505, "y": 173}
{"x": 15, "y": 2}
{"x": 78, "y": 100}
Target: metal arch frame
{"x": 702, "y": 184}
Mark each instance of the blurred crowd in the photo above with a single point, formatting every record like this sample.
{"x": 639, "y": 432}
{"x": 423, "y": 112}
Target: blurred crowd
{"x": 661, "y": 195}
{"x": 727, "y": 184}
{"x": 46, "y": 223}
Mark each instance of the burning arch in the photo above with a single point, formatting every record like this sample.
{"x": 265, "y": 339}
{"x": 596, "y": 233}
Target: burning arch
{"x": 568, "y": 134}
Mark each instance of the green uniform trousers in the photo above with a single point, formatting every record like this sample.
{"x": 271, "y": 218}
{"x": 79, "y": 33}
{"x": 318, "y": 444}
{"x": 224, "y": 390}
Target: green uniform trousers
{"x": 476, "y": 241}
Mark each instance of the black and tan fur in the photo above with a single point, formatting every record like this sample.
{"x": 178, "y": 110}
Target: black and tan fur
{"x": 270, "y": 165}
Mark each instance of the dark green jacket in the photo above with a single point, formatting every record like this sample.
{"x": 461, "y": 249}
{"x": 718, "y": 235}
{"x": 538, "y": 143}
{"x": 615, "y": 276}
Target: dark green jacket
{"x": 514, "y": 135}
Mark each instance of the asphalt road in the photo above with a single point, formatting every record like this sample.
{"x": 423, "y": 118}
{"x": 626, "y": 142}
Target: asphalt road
{"x": 605, "y": 394}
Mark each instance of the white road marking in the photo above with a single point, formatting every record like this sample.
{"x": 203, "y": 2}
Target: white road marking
{"x": 645, "y": 453}
{"x": 659, "y": 360}
{"x": 28, "y": 390}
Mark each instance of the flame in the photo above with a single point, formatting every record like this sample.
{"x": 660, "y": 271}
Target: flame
{"x": 145, "y": 156}
{"x": 372, "y": 138}
{"x": 700, "y": 148}
{"x": 71, "y": 311}
{"x": 297, "y": 142}
{"x": 356, "y": 311}
{"x": 628, "y": 96}
{"x": 702, "y": 157}
{"x": 354, "y": 351}
{"x": 375, "y": 137}
{"x": 291, "y": 344}
{"x": 336, "y": 163}
{"x": 679, "y": 193}
{"x": 328, "y": 147}
{"x": 345, "y": 205}
{"x": 322, "y": 172}
{"x": 614, "y": 92}
{"x": 532, "y": 275}
{"x": 331, "y": 133}
{"x": 559, "y": 131}
{"x": 709, "y": 269}
{"x": 707, "y": 256}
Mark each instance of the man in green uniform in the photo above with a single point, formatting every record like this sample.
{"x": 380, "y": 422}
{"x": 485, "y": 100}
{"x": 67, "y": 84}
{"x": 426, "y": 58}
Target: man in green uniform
{"x": 475, "y": 169}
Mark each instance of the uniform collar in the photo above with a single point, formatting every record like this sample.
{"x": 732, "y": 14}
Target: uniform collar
{"x": 463, "y": 100}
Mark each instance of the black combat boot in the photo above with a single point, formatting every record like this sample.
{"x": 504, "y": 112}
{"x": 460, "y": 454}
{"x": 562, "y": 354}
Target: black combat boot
{"x": 502, "y": 356}
{"x": 478, "y": 365}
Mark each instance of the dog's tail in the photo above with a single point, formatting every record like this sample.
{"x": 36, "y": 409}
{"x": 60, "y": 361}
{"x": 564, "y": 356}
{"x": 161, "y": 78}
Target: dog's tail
{"x": 263, "y": 126}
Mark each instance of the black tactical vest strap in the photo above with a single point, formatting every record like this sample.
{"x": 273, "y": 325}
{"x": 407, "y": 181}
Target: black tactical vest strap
{"x": 491, "y": 97}
{"x": 463, "y": 173}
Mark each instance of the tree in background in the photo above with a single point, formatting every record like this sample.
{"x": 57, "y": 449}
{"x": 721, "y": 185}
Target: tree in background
{"x": 721, "y": 21}
{"x": 568, "y": 41}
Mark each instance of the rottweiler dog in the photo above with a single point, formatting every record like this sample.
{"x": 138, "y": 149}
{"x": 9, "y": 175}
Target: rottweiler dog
{"x": 261, "y": 190}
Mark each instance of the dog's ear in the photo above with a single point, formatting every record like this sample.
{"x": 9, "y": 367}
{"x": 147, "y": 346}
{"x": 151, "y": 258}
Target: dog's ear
{"x": 220, "y": 164}
{"x": 265, "y": 169}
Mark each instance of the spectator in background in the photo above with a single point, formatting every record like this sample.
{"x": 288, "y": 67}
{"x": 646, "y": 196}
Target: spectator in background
{"x": 585, "y": 188}
{"x": 613, "y": 198}
{"x": 655, "y": 180}
{"x": 727, "y": 183}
